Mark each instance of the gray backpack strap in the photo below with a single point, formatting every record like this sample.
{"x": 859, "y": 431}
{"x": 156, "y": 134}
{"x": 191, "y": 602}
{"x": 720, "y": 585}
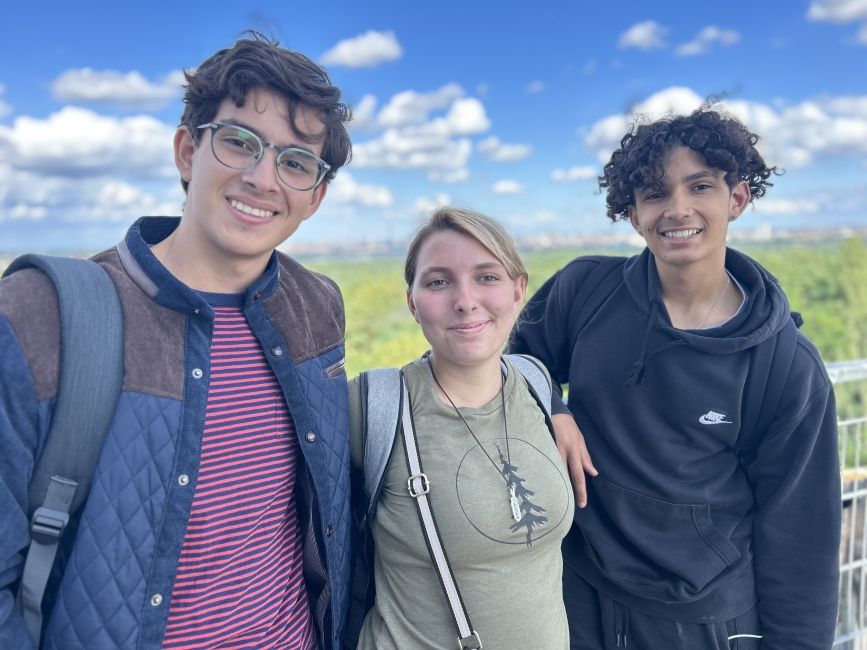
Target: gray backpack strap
{"x": 537, "y": 378}
{"x": 382, "y": 424}
{"x": 418, "y": 486}
{"x": 89, "y": 383}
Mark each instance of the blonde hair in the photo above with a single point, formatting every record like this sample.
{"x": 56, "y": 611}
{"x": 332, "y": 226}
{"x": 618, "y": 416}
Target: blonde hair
{"x": 485, "y": 230}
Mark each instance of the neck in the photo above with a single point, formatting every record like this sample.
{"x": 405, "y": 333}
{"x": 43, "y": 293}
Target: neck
{"x": 203, "y": 272}
{"x": 698, "y": 301}
{"x": 472, "y": 386}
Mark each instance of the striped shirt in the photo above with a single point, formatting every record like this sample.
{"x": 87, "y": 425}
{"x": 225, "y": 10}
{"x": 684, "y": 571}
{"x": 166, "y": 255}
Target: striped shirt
{"x": 239, "y": 582}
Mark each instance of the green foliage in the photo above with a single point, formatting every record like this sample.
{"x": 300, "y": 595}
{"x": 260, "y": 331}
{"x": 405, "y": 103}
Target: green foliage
{"x": 826, "y": 283}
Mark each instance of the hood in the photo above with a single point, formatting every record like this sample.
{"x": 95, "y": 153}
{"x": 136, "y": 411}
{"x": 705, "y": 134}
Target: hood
{"x": 765, "y": 313}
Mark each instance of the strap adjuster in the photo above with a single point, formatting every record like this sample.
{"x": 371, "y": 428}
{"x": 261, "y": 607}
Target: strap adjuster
{"x": 472, "y": 642}
{"x": 425, "y": 485}
{"x": 47, "y": 524}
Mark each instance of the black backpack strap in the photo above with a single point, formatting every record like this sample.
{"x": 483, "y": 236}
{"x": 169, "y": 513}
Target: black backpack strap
{"x": 769, "y": 368}
{"x": 599, "y": 284}
{"x": 89, "y": 383}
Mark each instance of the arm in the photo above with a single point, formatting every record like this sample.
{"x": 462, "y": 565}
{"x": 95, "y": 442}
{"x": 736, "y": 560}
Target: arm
{"x": 796, "y": 482}
{"x": 572, "y": 448}
{"x": 543, "y": 331}
{"x": 19, "y": 424}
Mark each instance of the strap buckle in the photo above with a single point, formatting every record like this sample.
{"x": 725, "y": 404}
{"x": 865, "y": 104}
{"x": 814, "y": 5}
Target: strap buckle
{"x": 472, "y": 642}
{"x": 425, "y": 485}
{"x": 47, "y": 524}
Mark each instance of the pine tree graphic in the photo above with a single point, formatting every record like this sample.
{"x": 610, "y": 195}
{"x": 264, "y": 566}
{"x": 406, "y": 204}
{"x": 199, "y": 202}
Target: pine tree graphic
{"x": 531, "y": 513}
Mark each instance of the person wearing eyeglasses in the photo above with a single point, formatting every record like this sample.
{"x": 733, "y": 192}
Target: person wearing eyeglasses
{"x": 219, "y": 512}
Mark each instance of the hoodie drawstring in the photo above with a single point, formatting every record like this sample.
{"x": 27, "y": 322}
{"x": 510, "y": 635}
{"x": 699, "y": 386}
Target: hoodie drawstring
{"x": 621, "y": 625}
{"x": 636, "y": 375}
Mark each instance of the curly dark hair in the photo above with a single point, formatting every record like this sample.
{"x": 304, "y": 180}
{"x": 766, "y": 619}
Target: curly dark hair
{"x": 722, "y": 141}
{"x": 258, "y": 62}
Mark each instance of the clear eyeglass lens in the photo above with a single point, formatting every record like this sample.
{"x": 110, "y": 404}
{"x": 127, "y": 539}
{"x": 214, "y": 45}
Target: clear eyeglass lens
{"x": 239, "y": 148}
{"x": 236, "y": 147}
{"x": 298, "y": 168}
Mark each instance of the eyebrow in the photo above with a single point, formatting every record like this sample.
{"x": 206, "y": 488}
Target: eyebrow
{"x": 253, "y": 129}
{"x": 702, "y": 174}
{"x": 484, "y": 266}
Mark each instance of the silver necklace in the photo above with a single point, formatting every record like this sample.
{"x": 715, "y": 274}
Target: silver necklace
{"x": 715, "y": 305}
{"x": 514, "y": 503}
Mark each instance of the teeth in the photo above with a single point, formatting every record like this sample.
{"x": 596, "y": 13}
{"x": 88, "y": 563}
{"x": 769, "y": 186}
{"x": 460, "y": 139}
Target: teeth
{"x": 681, "y": 234}
{"x": 253, "y": 212}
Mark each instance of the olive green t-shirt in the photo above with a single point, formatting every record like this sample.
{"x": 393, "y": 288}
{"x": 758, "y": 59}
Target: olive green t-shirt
{"x": 509, "y": 572}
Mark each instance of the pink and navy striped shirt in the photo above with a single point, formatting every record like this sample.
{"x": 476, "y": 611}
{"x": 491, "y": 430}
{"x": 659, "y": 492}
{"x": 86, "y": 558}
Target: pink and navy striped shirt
{"x": 239, "y": 582}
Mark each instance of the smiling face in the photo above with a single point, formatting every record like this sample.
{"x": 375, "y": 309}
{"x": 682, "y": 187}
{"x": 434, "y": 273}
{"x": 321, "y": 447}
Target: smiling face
{"x": 235, "y": 218}
{"x": 684, "y": 219}
{"x": 464, "y": 300}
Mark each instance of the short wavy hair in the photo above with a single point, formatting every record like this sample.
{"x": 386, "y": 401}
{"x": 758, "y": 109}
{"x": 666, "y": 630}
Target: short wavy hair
{"x": 258, "y": 62}
{"x": 722, "y": 141}
{"x": 484, "y": 229}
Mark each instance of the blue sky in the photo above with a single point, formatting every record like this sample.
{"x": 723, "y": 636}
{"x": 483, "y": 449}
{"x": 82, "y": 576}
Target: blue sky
{"x": 505, "y": 107}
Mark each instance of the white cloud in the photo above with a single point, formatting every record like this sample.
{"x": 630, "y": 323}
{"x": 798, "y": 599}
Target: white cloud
{"x": 345, "y": 189}
{"x": 706, "y": 38}
{"x": 791, "y": 136}
{"x": 363, "y": 114}
{"x": 450, "y": 176}
{"x": 493, "y": 149}
{"x": 76, "y": 142}
{"x": 426, "y": 205}
{"x": 574, "y": 174}
{"x": 411, "y": 107}
{"x": 365, "y": 51}
{"x": 646, "y": 35}
{"x": 507, "y": 186}
{"x": 838, "y": 11}
{"x": 129, "y": 89}
{"x": 784, "y": 207}
{"x": 467, "y": 116}
{"x": 862, "y": 35}
{"x": 535, "y": 87}
{"x": 437, "y": 145}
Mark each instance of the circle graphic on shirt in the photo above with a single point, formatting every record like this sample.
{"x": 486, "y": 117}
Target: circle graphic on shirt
{"x": 483, "y": 496}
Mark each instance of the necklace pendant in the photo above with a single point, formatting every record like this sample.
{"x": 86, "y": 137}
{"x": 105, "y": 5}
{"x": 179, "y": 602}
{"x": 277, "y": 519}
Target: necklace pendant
{"x": 516, "y": 506}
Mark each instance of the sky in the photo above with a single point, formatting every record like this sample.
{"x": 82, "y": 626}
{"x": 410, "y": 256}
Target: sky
{"x": 509, "y": 108}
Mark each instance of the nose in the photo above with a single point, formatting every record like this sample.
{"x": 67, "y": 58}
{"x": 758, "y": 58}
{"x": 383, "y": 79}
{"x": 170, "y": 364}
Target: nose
{"x": 465, "y": 297}
{"x": 679, "y": 205}
{"x": 263, "y": 174}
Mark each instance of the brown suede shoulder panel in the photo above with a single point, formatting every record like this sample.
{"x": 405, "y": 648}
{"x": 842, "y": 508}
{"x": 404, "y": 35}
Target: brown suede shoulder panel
{"x": 311, "y": 320}
{"x": 29, "y": 302}
{"x": 153, "y": 337}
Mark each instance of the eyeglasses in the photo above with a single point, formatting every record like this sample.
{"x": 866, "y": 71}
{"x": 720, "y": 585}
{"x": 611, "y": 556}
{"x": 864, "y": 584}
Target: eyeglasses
{"x": 239, "y": 148}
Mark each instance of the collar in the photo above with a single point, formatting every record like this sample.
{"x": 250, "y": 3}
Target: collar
{"x": 165, "y": 289}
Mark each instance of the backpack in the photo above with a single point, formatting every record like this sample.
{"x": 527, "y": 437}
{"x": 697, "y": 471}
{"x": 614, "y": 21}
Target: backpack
{"x": 89, "y": 383}
{"x": 382, "y": 393}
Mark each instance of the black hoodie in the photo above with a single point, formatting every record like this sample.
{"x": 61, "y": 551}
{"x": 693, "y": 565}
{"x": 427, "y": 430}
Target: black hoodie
{"x": 674, "y": 526}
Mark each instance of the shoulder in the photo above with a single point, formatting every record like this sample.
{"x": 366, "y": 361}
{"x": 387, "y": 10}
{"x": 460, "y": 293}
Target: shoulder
{"x": 309, "y": 284}
{"x": 28, "y": 301}
{"x": 807, "y": 383}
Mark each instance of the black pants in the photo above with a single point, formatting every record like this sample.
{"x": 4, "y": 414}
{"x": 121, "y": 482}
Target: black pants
{"x": 596, "y": 622}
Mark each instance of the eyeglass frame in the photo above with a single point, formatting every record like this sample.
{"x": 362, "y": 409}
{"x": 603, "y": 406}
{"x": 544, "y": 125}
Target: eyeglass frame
{"x": 324, "y": 167}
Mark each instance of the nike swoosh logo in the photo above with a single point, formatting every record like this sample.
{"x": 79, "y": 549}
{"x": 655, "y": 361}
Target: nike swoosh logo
{"x": 703, "y": 419}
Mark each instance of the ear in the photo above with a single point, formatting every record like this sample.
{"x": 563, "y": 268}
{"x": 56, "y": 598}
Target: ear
{"x": 739, "y": 200}
{"x": 520, "y": 290}
{"x": 411, "y": 304}
{"x": 185, "y": 147}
